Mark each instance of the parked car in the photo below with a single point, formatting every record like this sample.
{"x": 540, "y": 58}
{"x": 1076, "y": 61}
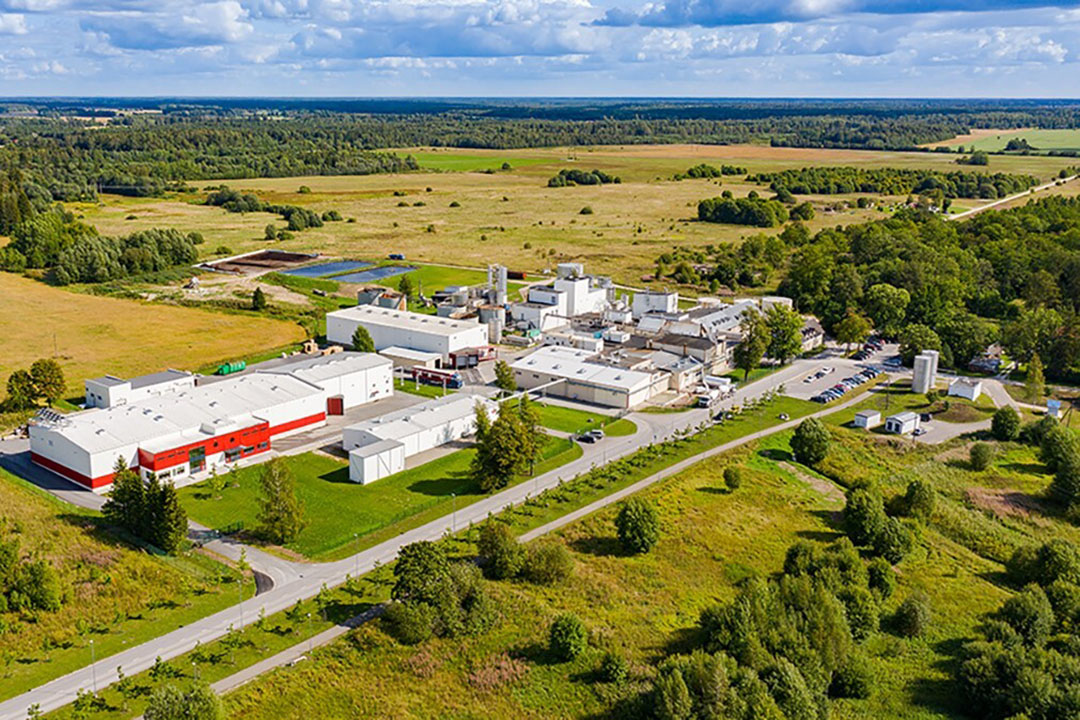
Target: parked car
{"x": 587, "y": 438}
{"x": 919, "y": 432}
{"x": 596, "y": 433}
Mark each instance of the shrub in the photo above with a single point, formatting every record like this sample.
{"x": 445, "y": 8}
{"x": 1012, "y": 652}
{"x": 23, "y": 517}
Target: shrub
{"x": 853, "y": 679}
{"x": 410, "y": 624}
{"x": 1057, "y": 445}
{"x": 503, "y": 555}
{"x": 919, "y": 499}
{"x": 1033, "y": 433}
{"x": 810, "y": 443}
{"x": 913, "y": 616}
{"x": 170, "y": 702}
{"x": 980, "y": 456}
{"x": 733, "y": 477}
{"x": 1029, "y": 613}
{"x": 455, "y": 204}
{"x": 864, "y": 515}
{"x": 614, "y": 668}
{"x": 567, "y": 638}
{"x": 882, "y": 578}
{"x": 587, "y": 210}
{"x": 1006, "y": 424}
{"x": 638, "y": 526}
{"x": 894, "y": 541}
{"x": 548, "y": 563}
{"x": 862, "y": 611}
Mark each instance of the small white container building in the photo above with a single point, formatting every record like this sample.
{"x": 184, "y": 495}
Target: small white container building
{"x": 406, "y": 358}
{"x": 867, "y": 419}
{"x": 379, "y": 447}
{"x": 967, "y": 389}
{"x": 903, "y": 423}
{"x": 108, "y": 390}
{"x": 395, "y": 328}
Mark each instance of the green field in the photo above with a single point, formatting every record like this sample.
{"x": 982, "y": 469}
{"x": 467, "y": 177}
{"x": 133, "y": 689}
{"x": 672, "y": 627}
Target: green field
{"x": 646, "y": 606}
{"x": 342, "y": 516}
{"x": 1039, "y": 140}
{"x": 114, "y": 594}
{"x": 464, "y": 162}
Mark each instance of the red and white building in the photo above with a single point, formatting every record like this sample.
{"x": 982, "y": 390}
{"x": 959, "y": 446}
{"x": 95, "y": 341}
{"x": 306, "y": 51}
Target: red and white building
{"x": 180, "y": 435}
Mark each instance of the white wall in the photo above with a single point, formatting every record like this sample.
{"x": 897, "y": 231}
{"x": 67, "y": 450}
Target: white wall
{"x": 361, "y": 387}
{"x": 339, "y": 329}
{"x": 368, "y": 469}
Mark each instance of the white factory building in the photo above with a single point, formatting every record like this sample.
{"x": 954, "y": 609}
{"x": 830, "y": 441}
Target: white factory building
{"x": 571, "y": 294}
{"x": 653, "y": 301}
{"x": 379, "y": 447}
{"x": 109, "y": 390}
{"x": 415, "y": 331}
{"x": 180, "y": 434}
{"x": 572, "y": 374}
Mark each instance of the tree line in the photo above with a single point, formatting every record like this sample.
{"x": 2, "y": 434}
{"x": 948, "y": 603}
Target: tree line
{"x": 704, "y": 170}
{"x": 571, "y": 177}
{"x": 298, "y": 218}
{"x": 895, "y": 181}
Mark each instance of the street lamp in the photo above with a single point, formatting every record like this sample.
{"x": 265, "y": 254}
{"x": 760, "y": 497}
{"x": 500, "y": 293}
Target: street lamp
{"x": 356, "y": 567}
{"x": 93, "y": 664}
{"x": 311, "y": 638}
{"x": 240, "y": 588}
{"x": 453, "y": 512}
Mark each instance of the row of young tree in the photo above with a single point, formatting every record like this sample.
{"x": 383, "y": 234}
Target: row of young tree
{"x": 894, "y": 181}
{"x": 704, "y": 171}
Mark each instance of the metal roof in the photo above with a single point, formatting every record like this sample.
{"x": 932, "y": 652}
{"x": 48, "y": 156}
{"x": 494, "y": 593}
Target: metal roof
{"x": 186, "y": 413}
{"x": 573, "y": 365}
{"x": 431, "y": 414}
{"x": 403, "y": 320}
{"x": 327, "y": 367}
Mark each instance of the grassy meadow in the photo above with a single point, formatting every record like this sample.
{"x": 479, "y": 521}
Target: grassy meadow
{"x": 114, "y": 594}
{"x": 512, "y": 216}
{"x": 996, "y": 140}
{"x": 647, "y": 606}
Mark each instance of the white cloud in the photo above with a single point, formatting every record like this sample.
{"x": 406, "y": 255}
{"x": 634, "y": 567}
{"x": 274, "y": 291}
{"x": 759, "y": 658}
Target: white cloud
{"x": 13, "y": 24}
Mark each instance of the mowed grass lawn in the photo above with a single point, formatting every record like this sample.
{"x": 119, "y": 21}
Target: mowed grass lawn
{"x": 337, "y": 509}
{"x": 574, "y": 420}
{"x": 97, "y": 335}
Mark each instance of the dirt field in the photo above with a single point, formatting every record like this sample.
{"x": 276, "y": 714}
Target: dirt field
{"x": 512, "y": 216}
{"x": 97, "y": 335}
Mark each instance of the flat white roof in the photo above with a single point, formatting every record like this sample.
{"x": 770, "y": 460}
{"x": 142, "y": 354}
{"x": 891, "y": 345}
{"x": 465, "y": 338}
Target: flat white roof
{"x": 868, "y": 413}
{"x": 403, "y": 320}
{"x": 188, "y": 412}
{"x": 409, "y": 353}
{"x": 904, "y": 417}
{"x": 573, "y": 364}
{"x": 327, "y": 367}
{"x": 431, "y": 414}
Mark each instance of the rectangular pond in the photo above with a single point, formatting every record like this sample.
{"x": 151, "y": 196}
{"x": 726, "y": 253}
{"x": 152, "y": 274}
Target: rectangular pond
{"x": 325, "y": 269}
{"x": 374, "y": 274}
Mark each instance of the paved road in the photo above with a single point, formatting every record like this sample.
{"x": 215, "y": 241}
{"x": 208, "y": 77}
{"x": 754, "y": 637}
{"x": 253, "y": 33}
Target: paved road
{"x": 1002, "y": 201}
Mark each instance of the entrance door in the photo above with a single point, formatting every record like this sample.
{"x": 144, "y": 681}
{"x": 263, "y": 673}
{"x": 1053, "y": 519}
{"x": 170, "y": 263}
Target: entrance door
{"x": 197, "y": 460}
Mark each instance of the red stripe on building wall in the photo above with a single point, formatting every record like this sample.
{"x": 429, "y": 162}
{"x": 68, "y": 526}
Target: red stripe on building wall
{"x": 293, "y": 424}
{"x": 249, "y": 436}
{"x": 92, "y": 483}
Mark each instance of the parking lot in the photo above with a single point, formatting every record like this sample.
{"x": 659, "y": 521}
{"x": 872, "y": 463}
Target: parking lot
{"x": 830, "y": 373}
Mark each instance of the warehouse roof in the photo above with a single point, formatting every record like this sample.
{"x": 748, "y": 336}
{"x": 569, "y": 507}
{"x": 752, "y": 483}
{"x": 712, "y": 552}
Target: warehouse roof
{"x": 409, "y": 354}
{"x": 427, "y": 415}
{"x": 142, "y": 380}
{"x": 325, "y": 367}
{"x": 415, "y": 322}
{"x": 192, "y": 411}
{"x": 573, "y": 365}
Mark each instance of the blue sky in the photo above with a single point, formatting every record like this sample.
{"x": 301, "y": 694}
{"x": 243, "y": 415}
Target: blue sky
{"x": 820, "y": 48}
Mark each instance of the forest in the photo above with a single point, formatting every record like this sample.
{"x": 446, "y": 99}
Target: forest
{"x": 895, "y": 181}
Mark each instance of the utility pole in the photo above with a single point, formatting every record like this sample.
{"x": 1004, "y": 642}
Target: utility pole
{"x": 453, "y": 512}
{"x": 93, "y": 665}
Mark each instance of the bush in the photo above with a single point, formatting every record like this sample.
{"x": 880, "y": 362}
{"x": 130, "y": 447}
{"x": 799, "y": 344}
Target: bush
{"x": 1057, "y": 445}
{"x": 1006, "y": 424}
{"x": 410, "y": 624}
{"x": 1030, "y": 615}
{"x": 587, "y": 210}
{"x": 638, "y": 526}
{"x": 980, "y": 456}
{"x": 733, "y": 477}
{"x": 1033, "y": 433}
{"x": 912, "y": 618}
{"x": 567, "y": 638}
{"x": 503, "y": 555}
{"x": 853, "y": 679}
{"x": 882, "y": 578}
{"x": 614, "y": 668}
{"x": 894, "y": 541}
{"x": 169, "y": 702}
{"x": 864, "y": 515}
{"x": 920, "y": 499}
{"x": 810, "y": 443}
{"x": 455, "y": 204}
{"x": 862, "y": 612}
{"x": 548, "y": 563}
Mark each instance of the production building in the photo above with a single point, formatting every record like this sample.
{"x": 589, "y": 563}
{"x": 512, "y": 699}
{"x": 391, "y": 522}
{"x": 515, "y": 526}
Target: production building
{"x": 379, "y": 447}
{"x": 180, "y": 434}
{"x": 415, "y": 331}
{"x": 571, "y": 374}
{"x": 109, "y": 390}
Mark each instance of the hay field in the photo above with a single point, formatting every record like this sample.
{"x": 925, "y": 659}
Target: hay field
{"x": 512, "y": 216}
{"x": 97, "y": 335}
{"x": 995, "y": 140}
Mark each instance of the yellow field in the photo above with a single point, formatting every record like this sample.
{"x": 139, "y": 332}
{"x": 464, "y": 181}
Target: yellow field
{"x": 534, "y": 227}
{"x": 97, "y": 335}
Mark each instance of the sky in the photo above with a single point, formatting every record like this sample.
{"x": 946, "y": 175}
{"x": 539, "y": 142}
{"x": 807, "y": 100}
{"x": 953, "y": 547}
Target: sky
{"x": 468, "y": 48}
